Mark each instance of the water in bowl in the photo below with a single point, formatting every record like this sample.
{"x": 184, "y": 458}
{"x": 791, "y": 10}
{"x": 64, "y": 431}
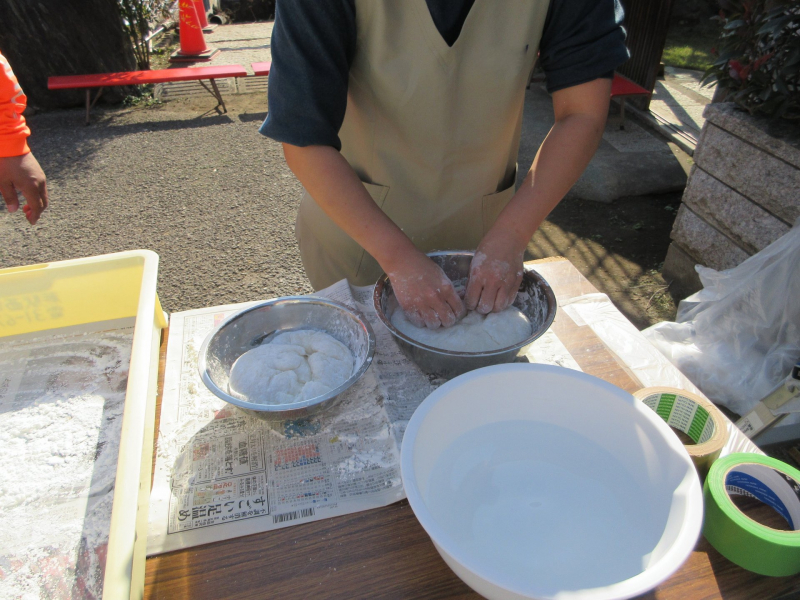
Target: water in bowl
{"x": 542, "y": 509}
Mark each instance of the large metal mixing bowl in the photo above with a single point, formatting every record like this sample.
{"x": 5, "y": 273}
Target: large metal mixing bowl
{"x": 252, "y": 326}
{"x": 535, "y": 299}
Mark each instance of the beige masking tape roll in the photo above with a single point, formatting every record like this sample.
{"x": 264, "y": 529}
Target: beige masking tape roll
{"x": 693, "y": 415}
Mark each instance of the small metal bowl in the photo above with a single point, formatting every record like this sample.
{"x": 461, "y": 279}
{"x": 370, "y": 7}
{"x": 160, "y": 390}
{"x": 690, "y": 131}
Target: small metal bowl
{"x": 252, "y": 326}
{"x": 535, "y": 299}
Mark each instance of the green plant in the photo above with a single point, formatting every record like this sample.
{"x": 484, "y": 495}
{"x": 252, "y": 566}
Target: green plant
{"x": 145, "y": 99}
{"x": 686, "y": 55}
{"x": 758, "y": 59}
{"x": 689, "y": 42}
{"x": 137, "y": 17}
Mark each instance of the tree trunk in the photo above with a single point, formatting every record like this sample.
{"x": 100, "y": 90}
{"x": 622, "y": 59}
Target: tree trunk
{"x": 42, "y": 38}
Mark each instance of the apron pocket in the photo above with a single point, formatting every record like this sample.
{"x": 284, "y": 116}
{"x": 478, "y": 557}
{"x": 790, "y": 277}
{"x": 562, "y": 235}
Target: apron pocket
{"x": 493, "y": 205}
{"x": 377, "y": 192}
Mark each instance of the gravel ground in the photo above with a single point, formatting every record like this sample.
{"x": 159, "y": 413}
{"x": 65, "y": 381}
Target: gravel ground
{"x": 210, "y": 195}
{"x": 215, "y": 200}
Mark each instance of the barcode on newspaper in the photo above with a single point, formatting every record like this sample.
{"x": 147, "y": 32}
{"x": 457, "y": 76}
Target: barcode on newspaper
{"x": 291, "y": 516}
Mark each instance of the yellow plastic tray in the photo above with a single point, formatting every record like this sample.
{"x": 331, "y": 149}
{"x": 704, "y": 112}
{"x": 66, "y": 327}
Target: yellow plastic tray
{"x": 101, "y": 288}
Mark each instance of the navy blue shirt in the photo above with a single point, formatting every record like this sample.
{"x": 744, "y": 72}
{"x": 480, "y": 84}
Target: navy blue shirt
{"x": 313, "y": 43}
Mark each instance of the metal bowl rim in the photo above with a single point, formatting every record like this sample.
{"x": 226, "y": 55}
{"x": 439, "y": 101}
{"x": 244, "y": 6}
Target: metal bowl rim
{"x": 384, "y": 278}
{"x": 278, "y": 408}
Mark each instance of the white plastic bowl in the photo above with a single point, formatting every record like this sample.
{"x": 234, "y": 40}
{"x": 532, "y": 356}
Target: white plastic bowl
{"x": 536, "y": 481}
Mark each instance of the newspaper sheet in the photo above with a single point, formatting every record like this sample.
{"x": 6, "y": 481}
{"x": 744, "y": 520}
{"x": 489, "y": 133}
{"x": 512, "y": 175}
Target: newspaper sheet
{"x": 222, "y": 474}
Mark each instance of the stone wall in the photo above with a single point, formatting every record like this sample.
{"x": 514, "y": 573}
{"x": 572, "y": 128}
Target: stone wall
{"x": 743, "y": 193}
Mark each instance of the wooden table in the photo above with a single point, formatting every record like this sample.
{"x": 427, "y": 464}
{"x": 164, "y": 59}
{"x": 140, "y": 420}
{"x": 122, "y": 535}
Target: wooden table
{"x": 385, "y": 553}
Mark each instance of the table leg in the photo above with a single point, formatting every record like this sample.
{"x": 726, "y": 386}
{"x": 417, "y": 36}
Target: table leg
{"x": 215, "y": 92}
{"x": 90, "y": 103}
{"x": 219, "y": 96}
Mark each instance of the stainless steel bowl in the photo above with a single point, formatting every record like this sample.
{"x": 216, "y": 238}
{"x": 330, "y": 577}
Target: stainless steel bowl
{"x": 252, "y": 326}
{"x": 535, "y": 299}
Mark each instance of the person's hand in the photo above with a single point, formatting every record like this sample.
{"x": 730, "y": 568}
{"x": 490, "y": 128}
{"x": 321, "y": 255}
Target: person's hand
{"x": 424, "y": 292}
{"x": 494, "y": 275}
{"x": 23, "y": 174}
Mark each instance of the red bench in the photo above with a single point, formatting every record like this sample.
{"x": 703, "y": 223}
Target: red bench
{"x": 261, "y": 69}
{"x": 103, "y": 80}
{"x": 623, "y": 88}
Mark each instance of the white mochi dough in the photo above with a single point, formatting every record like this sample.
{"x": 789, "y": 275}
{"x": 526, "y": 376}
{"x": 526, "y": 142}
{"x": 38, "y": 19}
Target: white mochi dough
{"x": 474, "y": 333}
{"x": 293, "y": 366}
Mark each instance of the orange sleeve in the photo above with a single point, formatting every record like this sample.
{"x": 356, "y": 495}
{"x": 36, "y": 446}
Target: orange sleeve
{"x": 13, "y": 130}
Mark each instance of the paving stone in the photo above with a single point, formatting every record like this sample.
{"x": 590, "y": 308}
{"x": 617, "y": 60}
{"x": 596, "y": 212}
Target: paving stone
{"x": 691, "y": 79}
{"x": 239, "y": 45}
{"x": 629, "y": 162}
{"x": 765, "y": 179}
{"x": 779, "y": 138}
{"x": 680, "y": 273}
{"x": 241, "y": 31}
{"x": 746, "y": 223}
{"x": 683, "y": 109}
{"x": 705, "y": 244}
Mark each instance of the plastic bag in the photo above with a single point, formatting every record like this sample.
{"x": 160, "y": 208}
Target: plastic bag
{"x": 738, "y": 337}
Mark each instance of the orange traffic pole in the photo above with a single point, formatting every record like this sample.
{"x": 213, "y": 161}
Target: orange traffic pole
{"x": 193, "y": 44}
{"x": 200, "y": 7}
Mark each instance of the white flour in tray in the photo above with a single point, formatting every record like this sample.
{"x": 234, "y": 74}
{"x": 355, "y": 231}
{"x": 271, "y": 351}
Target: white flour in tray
{"x": 61, "y": 403}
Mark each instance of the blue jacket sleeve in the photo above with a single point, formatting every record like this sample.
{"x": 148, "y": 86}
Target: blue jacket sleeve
{"x": 312, "y": 48}
{"x": 582, "y": 40}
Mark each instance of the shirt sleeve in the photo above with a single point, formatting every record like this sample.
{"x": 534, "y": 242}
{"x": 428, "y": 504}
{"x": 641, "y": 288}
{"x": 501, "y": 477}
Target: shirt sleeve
{"x": 313, "y": 43}
{"x": 13, "y": 130}
{"x": 582, "y": 40}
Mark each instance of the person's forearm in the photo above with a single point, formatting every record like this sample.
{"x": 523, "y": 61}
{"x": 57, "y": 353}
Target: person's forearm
{"x": 497, "y": 270}
{"x": 562, "y": 157}
{"x": 333, "y": 184}
{"x": 420, "y": 286}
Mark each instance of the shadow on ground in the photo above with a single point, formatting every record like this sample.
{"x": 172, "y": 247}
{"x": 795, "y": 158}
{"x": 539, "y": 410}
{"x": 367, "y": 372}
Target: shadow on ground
{"x": 216, "y": 201}
{"x": 619, "y": 247}
{"x": 211, "y": 196}
{"x": 614, "y": 225}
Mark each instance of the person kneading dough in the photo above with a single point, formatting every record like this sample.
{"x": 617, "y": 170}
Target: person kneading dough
{"x": 402, "y": 120}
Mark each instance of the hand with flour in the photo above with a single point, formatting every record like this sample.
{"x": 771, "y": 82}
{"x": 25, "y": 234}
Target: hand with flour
{"x": 424, "y": 292}
{"x": 494, "y": 275}
{"x": 496, "y": 271}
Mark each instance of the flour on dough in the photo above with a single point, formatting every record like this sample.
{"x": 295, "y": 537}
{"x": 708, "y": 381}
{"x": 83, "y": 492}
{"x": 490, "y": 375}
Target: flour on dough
{"x": 293, "y": 366}
{"x": 474, "y": 333}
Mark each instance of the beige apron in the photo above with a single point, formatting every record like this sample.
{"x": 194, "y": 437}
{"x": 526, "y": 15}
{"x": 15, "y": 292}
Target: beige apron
{"x": 432, "y": 131}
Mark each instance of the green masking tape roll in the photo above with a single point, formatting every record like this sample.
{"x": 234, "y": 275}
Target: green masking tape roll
{"x": 736, "y": 536}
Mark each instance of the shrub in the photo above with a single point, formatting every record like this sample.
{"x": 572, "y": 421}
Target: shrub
{"x": 137, "y": 16}
{"x": 758, "y": 59}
